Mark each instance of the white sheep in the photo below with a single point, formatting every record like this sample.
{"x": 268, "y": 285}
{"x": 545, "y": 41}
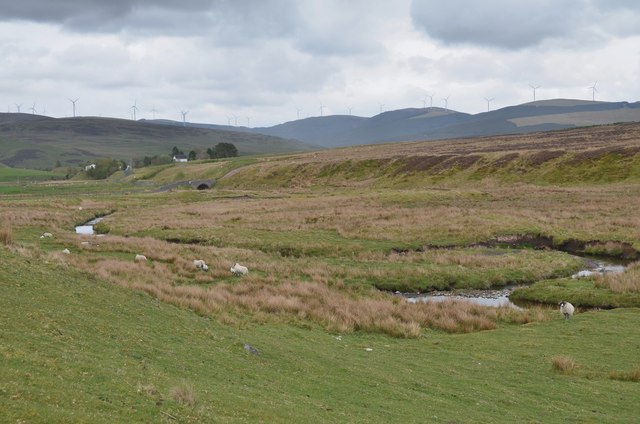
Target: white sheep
{"x": 566, "y": 309}
{"x": 238, "y": 269}
{"x": 46, "y": 235}
{"x": 200, "y": 264}
{"x": 66, "y": 251}
{"x": 140, "y": 258}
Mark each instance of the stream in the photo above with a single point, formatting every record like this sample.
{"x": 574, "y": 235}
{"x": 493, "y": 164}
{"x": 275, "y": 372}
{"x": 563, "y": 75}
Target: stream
{"x": 500, "y": 296}
{"x": 87, "y": 227}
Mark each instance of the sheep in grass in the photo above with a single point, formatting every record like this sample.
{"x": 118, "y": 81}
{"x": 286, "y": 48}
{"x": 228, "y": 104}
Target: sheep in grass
{"x": 140, "y": 258}
{"x": 46, "y": 235}
{"x": 66, "y": 251}
{"x": 238, "y": 269}
{"x": 566, "y": 309}
{"x": 200, "y": 264}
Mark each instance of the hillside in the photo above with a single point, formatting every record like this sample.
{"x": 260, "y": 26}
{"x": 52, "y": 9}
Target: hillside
{"x": 597, "y": 154}
{"x": 33, "y": 141}
{"x": 437, "y": 123}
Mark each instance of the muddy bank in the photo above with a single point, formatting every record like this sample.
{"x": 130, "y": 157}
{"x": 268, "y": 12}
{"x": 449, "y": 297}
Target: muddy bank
{"x": 607, "y": 249}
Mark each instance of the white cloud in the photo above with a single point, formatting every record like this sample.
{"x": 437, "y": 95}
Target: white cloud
{"x": 267, "y": 59}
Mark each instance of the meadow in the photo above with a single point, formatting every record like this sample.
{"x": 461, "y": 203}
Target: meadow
{"x": 329, "y": 238}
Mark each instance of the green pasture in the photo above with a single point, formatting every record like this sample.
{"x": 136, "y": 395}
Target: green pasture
{"x": 75, "y": 349}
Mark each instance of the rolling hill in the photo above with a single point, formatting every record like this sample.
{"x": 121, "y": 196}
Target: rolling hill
{"x": 438, "y": 123}
{"x": 34, "y": 141}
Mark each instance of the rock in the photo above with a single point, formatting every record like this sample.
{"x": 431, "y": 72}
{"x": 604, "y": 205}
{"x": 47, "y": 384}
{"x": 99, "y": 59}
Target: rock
{"x": 252, "y": 350}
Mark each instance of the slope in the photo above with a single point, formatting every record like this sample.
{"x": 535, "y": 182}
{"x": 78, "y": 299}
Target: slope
{"x": 438, "y": 123}
{"x": 32, "y": 141}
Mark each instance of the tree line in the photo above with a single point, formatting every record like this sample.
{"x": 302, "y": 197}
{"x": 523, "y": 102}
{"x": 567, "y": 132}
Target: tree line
{"x": 105, "y": 167}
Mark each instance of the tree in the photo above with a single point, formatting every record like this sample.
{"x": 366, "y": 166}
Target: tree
{"x": 223, "y": 150}
{"x": 192, "y": 155}
{"x": 104, "y": 168}
{"x": 176, "y": 151}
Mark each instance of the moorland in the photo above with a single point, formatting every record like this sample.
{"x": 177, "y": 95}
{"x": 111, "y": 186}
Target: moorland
{"x": 317, "y": 330}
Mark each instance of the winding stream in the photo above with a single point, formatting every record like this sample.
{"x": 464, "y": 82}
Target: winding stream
{"x": 500, "y": 297}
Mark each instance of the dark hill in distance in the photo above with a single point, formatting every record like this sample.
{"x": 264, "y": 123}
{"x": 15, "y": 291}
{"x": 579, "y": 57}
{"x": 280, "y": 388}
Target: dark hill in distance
{"x": 34, "y": 141}
{"x": 438, "y": 123}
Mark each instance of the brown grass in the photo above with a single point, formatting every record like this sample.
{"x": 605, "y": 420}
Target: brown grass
{"x": 563, "y": 364}
{"x": 632, "y": 375}
{"x": 6, "y": 236}
{"x": 184, "y": 394}
{"x": 626, "y": 282}
{"x": 336, "y": 310}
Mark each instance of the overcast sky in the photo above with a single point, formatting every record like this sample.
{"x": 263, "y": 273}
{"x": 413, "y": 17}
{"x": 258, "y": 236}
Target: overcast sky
{"x": 264, "y": 62}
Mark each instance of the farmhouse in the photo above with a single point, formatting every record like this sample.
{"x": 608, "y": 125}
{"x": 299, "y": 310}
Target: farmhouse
{"x": 180, "y": 158}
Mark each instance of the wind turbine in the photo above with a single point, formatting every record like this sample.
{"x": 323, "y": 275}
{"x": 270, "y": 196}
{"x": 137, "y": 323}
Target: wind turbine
{"x": 74, "y": 106}
{"x": 18, "y": 106}
{"x": 594, "y": 90}
{"x": 134, "y": 108}
{"x": 184, "y": 117}
{"x": 154, "y": 113}
{"x": 33, "y": 108}
{"x": 488, "y": 103}
{"x": 446, "y": 102}
{"x": 381, "y": 107}
{"x": 248, "y": 122}
{"x": 349, "y": 111}
{"x": 535, "y": 87}
{"x": 298, "y": 113}
{"x": 430, "y": 96}
{"x": 321, "y": 109}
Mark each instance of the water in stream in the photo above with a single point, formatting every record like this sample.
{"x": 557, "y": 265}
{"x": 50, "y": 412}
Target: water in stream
{"x": 500, "y": 297}
{"x": 87, "y": 227}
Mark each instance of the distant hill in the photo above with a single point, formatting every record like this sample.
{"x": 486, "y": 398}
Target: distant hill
{"x": 34, "y": 141}
{"x": 437, "y": 123}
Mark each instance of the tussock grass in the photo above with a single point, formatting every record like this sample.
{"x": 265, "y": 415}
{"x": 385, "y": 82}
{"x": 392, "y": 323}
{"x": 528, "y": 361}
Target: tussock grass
{"x": 563, "y": 364}
{"x": 625, "y": 282}
{"x": 6, "y": 236}
{"x": 632, "y": 375}
{"x": 336, "y": 310}
{"x": 184, "y": 393}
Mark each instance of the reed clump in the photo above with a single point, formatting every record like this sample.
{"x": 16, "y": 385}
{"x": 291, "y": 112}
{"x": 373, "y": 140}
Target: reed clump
{"x": 624, "y": 282}
{"x": 6, "y": 236}
{"x": 563, "y": 364}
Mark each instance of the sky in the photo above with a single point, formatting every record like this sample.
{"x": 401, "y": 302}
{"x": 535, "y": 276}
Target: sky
{"x": 264, "y": 62}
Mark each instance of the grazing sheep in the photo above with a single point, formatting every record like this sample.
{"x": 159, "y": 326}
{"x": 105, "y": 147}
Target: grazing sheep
{"x": 140, "y": 258}
{"x": 238, "y": 269}
{"x": 66, "y": 251}
{"x": 199, "y": 263}
{"x": 566, "y": 309}
{"x": 46, "y": 235}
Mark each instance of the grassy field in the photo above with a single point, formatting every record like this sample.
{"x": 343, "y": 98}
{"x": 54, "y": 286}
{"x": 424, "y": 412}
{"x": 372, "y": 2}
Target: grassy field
{"x": 93, "y": 336}
{"x": 77, "y": 349}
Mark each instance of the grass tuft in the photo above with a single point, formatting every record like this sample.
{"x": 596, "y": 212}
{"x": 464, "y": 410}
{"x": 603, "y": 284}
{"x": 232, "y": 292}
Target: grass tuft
{"x": 625, "y": 282}
{"x": 563, "y": 364}
{"x": 633, "y": 375}
{"x": 6, "y": 236}
{"x": 184, "y": 394}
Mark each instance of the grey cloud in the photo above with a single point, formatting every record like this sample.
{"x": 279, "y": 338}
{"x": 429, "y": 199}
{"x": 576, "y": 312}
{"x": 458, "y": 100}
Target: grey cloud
{"x": 156, "y": 17}
{"x": 515, "y": 25}
{"x": 499, "y": 23}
